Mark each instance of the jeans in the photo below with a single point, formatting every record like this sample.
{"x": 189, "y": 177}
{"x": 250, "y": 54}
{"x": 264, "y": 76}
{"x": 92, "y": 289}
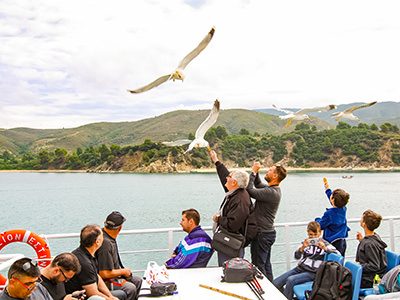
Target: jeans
{"x": 261, "y": 252}
{"x": 290, "y": 279}
{"x": 131, "y": 287}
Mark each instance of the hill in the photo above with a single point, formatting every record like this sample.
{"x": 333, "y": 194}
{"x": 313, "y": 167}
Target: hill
{"x": 170, "y": 126}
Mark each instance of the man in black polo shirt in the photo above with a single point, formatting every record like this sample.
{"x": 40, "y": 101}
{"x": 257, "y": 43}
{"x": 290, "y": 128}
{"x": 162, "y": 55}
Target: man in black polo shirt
{"x": 110, "y": 265}
{"x": 88, "y": 279}
{"x": 62, "y": 268}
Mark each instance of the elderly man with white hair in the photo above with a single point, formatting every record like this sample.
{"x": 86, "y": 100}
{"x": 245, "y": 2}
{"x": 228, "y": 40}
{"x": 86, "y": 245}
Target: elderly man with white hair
{"x": 236, "y": 207}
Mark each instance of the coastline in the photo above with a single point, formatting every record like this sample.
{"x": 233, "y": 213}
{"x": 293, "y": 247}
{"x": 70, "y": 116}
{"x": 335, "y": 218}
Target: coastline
{"x": 212, "y": 170}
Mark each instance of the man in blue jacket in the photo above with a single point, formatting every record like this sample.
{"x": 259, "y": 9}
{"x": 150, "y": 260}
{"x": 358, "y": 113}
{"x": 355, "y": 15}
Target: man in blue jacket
{"x": 195, "y": 250}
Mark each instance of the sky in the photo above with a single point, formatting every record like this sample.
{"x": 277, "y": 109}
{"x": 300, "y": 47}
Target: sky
{"x": 68, "y": 63}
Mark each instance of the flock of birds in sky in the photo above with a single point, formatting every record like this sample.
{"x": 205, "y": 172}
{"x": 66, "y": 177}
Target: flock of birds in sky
{"x": 199, "y": 140}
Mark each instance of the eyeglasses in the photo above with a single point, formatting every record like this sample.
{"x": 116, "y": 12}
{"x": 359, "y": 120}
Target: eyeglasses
{"x": 66, "y": 278}
{"x": 27, "y": 266}
{"x": 39, "y": 280}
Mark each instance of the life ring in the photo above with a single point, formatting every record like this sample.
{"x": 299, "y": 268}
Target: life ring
{"x": 32, "y": 239}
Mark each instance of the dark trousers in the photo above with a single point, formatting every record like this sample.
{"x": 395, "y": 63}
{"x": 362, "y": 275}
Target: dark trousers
{"x": 340, "y": 245}
{"x": 261, "y": 252}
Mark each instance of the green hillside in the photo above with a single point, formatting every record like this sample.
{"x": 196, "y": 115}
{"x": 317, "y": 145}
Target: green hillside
{"x": 170, "y": 126}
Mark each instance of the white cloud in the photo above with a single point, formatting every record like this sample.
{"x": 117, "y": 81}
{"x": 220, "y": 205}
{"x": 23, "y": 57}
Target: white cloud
{"x": 75, "y": 59}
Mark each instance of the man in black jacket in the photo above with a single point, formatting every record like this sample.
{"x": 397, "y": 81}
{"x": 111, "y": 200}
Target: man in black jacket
{"x": 236, "y": 207}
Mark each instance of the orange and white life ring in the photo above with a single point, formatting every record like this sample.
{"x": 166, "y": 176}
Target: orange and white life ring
{"x": 32, "y": 239}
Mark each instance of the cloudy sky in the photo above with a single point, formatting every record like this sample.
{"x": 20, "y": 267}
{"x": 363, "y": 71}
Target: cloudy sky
{"x": 70, "y": 63}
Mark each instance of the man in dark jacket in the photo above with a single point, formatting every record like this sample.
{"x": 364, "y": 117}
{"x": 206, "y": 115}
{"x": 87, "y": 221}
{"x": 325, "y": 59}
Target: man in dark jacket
{"x": 236, "y": 207}
{"x": 371, "y": 252}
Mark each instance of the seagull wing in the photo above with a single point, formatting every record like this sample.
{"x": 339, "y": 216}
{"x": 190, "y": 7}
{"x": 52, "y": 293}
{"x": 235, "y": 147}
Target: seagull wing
{"x": 282, "y": 110}
{"x": 211, "y": 119}
{"x": 155, "y": 83}
{"x": 319, "y": 109}
{"x": 353, "y": 108}
{"x": 188, "y": 58}
{"x": 177, "y": 143}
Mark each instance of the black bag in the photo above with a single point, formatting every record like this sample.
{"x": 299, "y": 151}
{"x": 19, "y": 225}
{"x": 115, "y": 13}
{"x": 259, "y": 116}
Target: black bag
{"x": 332, "y": 281}
{"x": 238, "y": 270}
{"x": 160, "y": 289}
{"x": 227, "y": 242}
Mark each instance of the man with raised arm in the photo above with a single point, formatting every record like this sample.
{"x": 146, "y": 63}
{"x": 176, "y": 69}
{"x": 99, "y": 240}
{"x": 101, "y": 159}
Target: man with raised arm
{"x": 88, "y": 279}
{"x": 111, "y": 269}
{"x": 268, "y": 197}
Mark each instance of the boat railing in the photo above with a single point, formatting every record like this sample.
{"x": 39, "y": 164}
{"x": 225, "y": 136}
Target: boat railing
{"x": 288, "y": 240}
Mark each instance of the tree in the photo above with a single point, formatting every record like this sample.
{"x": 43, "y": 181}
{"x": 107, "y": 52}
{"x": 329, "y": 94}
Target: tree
{"x": 244, "y": 131}
{"x": 328, "y": 145}
{"x": 343, "y": 125}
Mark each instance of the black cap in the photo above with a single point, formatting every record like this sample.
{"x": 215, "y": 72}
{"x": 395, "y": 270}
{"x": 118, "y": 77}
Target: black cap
{"x": 114, "y": 220}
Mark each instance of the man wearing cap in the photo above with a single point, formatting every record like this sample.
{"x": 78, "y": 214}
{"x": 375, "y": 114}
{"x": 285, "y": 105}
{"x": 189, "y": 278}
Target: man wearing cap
{"x": 111, "y": 268}
{"x": 23, "y": 282}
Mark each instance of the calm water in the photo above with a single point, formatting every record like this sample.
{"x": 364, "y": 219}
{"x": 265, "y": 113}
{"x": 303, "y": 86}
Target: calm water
{"x": 47, "y": 203}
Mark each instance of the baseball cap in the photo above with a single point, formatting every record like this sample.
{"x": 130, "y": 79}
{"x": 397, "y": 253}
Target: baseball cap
{"x": 114, "y": 220}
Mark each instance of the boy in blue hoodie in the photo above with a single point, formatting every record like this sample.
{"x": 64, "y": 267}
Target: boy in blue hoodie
{"x": 334, "y": 222}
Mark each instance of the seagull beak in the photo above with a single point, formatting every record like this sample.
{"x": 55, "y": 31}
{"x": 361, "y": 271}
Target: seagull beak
{"x": 309, "y": 118}
{"x": 208, "y": 148}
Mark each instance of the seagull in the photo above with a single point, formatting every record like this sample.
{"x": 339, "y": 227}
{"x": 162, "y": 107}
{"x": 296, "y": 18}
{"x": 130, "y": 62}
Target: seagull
{"x": 348, "y": 113}
{"x": 178, "y": 73}
{"x": 302, "y": 113}
{"x": 199, "y": 140}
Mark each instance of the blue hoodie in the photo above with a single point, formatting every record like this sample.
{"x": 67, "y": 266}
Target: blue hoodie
{"x": 193, "y": 252}
{"x": 334, "y": 222}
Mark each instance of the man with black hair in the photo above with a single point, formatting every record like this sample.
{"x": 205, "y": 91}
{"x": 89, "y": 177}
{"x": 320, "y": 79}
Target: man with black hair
{"x": 23, "y": 282}
{"x": 111, "y": 268}
{"x": 61, "y": 269}
{"x": 88, "y": 279}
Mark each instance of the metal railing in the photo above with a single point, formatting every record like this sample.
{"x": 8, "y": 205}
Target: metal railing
{"x": 287, "y": 242}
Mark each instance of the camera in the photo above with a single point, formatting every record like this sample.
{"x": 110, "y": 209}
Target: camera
{"x": 313, "y": 241}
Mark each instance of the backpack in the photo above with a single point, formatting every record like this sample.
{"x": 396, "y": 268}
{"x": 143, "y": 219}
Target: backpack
{"x": 332, "y": 281}
{"x": 390, "y": 281}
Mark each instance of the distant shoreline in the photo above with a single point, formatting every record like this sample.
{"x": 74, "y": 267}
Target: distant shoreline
{"x": 212, "y": 170}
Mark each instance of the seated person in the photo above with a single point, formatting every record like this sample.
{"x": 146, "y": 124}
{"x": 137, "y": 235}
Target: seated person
{"x": 88, "y": 279}
{"x": 311, "y": 254}
{"x": 62, "y": 268}
{"x": 371, "y": 254}
{"x": 23, "y": 282}
{"x": 195, "y": 250}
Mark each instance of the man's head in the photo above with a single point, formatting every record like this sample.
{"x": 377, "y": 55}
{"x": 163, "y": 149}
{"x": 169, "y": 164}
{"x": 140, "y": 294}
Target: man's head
{"x": 91, "y": 236}
{"x": 190, "y": 219}
{"x": 371, "y": 220}
{"x": 313, "y": 230}
{"x": 340, "y": 198}
{"x": 114, "y": 221}
{"x": 237, "y": 179}
{"x": 23, "y": 276}
{"x": 63, "y": 267}
{"x": 275, "y": 174}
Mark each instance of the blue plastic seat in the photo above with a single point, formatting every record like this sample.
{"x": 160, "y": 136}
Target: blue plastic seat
{"x": 356, "y": 271}
{"x": 300, "y": 289}
{"x": 393, "y": 260}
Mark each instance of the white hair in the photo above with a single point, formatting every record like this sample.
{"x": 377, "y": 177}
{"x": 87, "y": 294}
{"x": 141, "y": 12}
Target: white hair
{"x": 241, "y": 177}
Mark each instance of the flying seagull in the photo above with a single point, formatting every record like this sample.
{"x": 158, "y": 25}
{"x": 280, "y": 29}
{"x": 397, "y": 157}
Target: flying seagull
{"x": 348, "y": 113}
{"x": 302, "y": 113}
{"x": 178, "y": 73}
{"x": 199, "y": 140}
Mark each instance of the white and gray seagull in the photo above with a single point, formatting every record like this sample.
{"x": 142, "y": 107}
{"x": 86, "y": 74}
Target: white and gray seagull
{"x": 199, "y": 140}
{"x": 178, "y": 73}
{"x": 348, "y": 113}
{"x": 302, "y": 113}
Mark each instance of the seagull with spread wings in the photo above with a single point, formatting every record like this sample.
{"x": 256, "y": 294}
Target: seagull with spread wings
{"x": 348, "y": 113}
{"x": 178, "y": 73}
{"x": 302, "y": 113}
{"x": 199, "y": 140}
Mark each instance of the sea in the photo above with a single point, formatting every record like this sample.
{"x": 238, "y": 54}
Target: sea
{"x": 50, "y": 203}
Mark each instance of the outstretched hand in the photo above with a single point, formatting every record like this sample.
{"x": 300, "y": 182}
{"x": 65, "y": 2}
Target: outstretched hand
{"x": 256, "y": 167}
{"x": 213, "y": 156}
